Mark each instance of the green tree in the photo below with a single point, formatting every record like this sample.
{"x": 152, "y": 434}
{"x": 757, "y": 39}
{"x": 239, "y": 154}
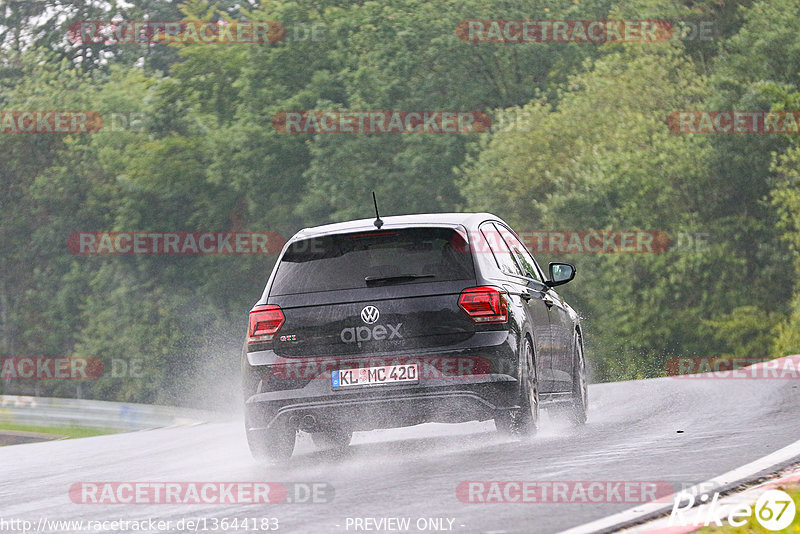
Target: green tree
{"x": 596, "y": 162}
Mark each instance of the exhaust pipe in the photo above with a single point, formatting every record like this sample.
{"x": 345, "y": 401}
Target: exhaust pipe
{"x": 308, "y": 423}
{"x": 294, "y": 421}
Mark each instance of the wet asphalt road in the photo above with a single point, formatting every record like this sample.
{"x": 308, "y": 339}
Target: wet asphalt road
{"x": 632, "y": 435}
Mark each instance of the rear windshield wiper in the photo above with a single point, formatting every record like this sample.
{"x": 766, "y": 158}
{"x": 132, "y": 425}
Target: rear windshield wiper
{"x": 397, "y": 279}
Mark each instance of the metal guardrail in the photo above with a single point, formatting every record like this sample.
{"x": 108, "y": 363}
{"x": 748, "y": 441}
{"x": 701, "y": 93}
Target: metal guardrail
{"x": 49, "y": 411}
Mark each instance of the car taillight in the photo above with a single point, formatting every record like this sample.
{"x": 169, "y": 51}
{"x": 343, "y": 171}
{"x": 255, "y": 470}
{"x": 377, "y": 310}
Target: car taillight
{"x": 265, "y": 321}
{"x": 484, "y": 304}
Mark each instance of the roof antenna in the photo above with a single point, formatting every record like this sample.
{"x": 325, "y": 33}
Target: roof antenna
{"x": 378, "y": 222}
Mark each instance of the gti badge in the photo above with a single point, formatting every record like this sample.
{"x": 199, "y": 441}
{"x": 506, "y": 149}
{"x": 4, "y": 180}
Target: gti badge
{"x": 370, "y": 314}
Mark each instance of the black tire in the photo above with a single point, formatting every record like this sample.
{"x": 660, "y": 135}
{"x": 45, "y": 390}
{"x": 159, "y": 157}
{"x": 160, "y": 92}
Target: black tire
{"x": 523, "y": 422}
{"x": 575, "y": 410}
{"x": 273, "y": 445}
{"x": 332, "y": 439}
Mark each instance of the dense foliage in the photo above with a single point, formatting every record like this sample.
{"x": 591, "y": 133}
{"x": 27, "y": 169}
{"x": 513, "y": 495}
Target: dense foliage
{"x": 580, "y": 142}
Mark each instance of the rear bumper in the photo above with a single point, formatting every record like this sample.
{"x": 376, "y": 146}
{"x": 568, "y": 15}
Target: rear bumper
{"x": 386, "y": 406}
{"x": 271, "y": 400}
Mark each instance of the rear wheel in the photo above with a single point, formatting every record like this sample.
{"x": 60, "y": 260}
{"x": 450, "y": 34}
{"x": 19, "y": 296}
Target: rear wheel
{"x": 524, "y": 421}
{"x": 332, "y": 439}
{"x": 274, "y": 445}
{"x": 575, "y": 410}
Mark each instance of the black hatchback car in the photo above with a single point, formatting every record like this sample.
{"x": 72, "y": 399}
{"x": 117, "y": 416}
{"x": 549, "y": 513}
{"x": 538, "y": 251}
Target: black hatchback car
{"x": 421, "y": 318}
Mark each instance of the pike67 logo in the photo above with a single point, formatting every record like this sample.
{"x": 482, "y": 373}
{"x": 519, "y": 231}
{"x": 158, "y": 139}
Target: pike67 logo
{"x": 774, "y": 510}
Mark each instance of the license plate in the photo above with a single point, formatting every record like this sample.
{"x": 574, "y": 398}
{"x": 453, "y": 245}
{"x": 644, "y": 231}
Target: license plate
{"x": 374, "y": 376}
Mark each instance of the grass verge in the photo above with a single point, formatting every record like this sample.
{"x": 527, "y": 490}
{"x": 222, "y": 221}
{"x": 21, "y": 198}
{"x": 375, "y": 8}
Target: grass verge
{"x": 68, "y": 431}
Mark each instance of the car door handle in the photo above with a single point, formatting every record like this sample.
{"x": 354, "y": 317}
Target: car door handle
{"x": 549, "y": 303}
{"x": 525, "y": 296}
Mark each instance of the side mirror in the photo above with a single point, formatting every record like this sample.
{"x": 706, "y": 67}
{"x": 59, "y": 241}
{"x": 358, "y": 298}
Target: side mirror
{"x": 560, "y": 273}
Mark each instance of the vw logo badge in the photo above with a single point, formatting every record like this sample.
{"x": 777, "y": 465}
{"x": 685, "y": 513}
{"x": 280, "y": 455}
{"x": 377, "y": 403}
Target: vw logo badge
{"x": 370, "y": 314}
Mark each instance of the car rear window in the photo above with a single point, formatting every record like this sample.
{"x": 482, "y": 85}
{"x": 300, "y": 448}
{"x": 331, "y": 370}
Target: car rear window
{"x": 365, "y": 259}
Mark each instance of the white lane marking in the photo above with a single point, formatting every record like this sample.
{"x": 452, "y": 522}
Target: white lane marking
{"x": 738, "y": 475}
